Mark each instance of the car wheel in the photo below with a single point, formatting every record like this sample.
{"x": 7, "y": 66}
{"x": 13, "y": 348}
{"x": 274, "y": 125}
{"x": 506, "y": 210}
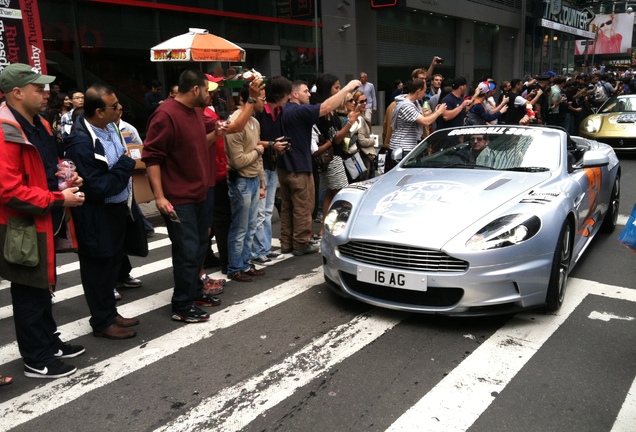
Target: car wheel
{"x": 560, "y": 270}
{"x": 611, "y": 217}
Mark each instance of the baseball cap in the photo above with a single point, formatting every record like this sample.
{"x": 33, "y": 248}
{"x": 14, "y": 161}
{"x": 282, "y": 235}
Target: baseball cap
{"x": 19, "y": 75}
{"x": 212, "y": 82}
{"x": 483, "y": 87}
{"x": 458, "y": 82}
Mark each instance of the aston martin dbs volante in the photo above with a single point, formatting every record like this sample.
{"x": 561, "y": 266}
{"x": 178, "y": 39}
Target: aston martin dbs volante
{"x": 614, "y": 123}
{"x": 474, "y": 221}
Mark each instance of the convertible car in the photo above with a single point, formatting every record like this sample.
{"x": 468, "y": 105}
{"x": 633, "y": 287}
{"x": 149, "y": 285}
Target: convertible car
{"x": 474, "y": 221}
{"x": 614, "y": 123}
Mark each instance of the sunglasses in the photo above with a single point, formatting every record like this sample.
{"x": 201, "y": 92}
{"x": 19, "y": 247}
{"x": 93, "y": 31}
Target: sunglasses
{"x": 351, "y": 101}
{"x": 361, "y": 101}
{"x": 477, "y": 139}
{"x": 113, "y": 106}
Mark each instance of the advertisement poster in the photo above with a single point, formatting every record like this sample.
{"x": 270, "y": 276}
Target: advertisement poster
{"x": 21, "y": 34}
{"x": 614, "y": 35}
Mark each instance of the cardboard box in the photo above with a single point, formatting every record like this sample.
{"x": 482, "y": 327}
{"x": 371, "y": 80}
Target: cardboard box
{"x": 141, "y": 186}
{"x": 135, "y": 153}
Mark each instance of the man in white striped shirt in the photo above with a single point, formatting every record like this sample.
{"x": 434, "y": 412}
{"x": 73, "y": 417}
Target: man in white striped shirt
{"x": 408, "y": 120}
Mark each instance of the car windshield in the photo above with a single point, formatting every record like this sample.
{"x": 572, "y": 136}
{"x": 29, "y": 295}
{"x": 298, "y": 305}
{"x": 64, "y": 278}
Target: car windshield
{"x": 617, "y": 104}
{"x": 529, "y": 149}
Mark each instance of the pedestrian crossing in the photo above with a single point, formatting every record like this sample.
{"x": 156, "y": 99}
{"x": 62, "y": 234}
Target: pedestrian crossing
{"x": 469, "y": 388}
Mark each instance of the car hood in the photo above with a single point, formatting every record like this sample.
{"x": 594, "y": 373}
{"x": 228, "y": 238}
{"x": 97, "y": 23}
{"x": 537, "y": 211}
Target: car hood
{"x": 428, "y": 207}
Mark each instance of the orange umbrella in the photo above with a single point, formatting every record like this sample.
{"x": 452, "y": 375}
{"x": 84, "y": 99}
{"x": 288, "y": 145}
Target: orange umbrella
{"x": 197, "y": 45}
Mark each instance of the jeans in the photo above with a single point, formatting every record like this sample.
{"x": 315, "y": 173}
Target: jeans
{"x": 244, "y": 199}
{"x": 263, "y": 236}
{"x": 189, "y": 246}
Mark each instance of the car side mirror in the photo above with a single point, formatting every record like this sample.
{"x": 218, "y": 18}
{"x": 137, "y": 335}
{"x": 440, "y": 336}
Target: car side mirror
{"x": 594, "y": 158}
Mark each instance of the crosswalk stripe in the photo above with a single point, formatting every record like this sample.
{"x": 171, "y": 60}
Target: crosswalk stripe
{"x": 472, "y": 386}
{"x": 263, "y": 391}
{"x": 626, "y": 418}
{"x": 56, "y": 393}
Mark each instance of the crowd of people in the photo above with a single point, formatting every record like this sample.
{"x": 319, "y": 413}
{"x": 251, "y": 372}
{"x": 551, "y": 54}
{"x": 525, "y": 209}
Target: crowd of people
{"x": 214, "y": 174}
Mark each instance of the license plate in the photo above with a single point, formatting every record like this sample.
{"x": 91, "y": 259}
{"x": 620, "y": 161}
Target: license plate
{"x": 394, "y": 279}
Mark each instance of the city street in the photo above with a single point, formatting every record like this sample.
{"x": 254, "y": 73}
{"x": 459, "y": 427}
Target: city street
{"x": 285, "y": 354}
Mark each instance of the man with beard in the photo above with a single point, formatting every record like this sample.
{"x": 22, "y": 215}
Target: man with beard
{"x": 176, "y": 158}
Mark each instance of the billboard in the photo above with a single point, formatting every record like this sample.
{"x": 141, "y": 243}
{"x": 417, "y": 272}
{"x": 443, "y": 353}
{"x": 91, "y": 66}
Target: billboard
{"x": 614, "y": 35}
{"x": 21, "y": 34}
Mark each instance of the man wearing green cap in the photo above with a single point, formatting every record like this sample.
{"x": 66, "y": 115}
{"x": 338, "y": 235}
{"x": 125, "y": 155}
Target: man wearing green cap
{"x": 29, "y": 194}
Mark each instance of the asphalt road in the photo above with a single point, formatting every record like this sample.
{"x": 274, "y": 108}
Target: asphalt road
{"x": 284, "y": 354}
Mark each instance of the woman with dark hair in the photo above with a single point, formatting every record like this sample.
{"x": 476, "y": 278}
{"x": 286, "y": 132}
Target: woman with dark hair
{"x": 334, "y": 177}
{"x": 57, "y": 107}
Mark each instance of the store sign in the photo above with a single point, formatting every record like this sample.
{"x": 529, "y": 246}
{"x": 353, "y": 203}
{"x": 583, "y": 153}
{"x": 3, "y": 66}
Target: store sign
{"x": 21, "y": 34}
{"x": 564, "y": 18}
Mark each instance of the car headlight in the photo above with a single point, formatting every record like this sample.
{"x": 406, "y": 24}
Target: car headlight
{"x": 337, "y": 218}
{"x": 505, "y": 231}
{"x": 592, "y": 125}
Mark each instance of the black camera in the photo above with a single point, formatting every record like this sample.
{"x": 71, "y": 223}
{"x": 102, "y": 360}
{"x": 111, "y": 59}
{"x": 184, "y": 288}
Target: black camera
{"x": 440, "y": 61}
{"x": 288, "y": 140}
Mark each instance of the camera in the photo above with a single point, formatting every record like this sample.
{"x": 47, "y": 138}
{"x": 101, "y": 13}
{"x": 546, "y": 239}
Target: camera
{"x": 288, "y": 140}
{"x": 440, "y": 61}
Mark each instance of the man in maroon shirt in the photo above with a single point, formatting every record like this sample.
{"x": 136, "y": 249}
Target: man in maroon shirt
{"x": 176, "y": 154}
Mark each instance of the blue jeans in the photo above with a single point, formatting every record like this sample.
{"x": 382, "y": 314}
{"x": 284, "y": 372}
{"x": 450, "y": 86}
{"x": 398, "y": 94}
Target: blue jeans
{"x": 244, "y": 198}
{"x": 263, "y": 236}
{"x": 189, "y": 245}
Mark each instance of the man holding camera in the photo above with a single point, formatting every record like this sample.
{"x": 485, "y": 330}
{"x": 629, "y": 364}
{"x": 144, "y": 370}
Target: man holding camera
{"x": 246, "y": 186}
{"x": 277, "y": 93}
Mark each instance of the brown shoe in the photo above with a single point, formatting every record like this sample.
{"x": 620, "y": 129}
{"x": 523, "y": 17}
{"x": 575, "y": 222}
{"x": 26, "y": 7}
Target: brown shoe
{"x": 115, "y": 331}
{"x": 126, "y": 322}
{"x": 254, "y": 272}
{"x": 240, "y": 277}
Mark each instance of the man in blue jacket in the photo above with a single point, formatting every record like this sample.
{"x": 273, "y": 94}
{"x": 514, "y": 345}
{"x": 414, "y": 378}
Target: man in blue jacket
{"x": 100, "y": 155}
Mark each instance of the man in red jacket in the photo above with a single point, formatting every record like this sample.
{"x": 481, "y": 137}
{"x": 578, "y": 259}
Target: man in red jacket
{"x": 29, "y": 193}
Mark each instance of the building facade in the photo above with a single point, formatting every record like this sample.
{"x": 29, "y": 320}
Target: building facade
{"x": 109, "y": 41}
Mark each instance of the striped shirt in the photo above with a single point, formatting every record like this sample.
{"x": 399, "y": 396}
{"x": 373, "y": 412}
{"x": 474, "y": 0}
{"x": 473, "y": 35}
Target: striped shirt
{"x": 407, "y": 133}
{"x": 113, "y": 149}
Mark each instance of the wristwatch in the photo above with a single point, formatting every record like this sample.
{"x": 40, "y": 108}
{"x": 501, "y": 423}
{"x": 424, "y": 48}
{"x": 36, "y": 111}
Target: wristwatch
{"x": 251, "y": 100}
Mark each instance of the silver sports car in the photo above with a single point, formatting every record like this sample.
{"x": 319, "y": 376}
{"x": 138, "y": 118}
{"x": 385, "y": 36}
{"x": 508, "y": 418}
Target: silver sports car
{"x": 475, "y": 220}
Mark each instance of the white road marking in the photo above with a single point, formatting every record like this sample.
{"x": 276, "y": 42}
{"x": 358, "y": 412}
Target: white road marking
{"x": 626, "y": 418}
{"x": 52, "y": 395}
{"x": 472, "y": 386}
{"x": 606, "y": 316}
{"x": 622, "y": 220}
{"x": 232, "y": 408}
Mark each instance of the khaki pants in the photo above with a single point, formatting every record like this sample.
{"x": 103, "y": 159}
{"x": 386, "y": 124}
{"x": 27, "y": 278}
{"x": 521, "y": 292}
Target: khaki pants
{"x": 297, "y": 195}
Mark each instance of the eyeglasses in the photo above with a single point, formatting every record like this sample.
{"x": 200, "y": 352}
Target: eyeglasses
{"x": 78, "y": 97}
{"x": 477, "y": 139}
{"x": 262, "y": 98}
{"x": 113, "y": 106}
{"x": 362, "y": 101}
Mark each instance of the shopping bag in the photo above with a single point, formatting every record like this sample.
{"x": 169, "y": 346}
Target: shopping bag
{"x": 628, "y": 235}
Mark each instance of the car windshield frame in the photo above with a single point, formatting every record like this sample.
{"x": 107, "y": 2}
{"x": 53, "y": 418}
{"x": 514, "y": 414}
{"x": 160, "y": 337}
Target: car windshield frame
{"x": 619, "y": 104}
{"x": 507, "y": 148}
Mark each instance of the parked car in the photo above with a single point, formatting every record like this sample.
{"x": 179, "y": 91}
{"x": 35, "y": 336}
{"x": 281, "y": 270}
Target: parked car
{"x": 474, "y": 221}
{"x": 614, "y": 123}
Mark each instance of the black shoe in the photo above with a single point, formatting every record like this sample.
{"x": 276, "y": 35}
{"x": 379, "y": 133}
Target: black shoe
{"x": 69, "y": 351}
{"x": 207, "y": 300}
{"x": 308, "y": 249}
{"x": 192, "y": 315}
{"x": 56, "y": 369}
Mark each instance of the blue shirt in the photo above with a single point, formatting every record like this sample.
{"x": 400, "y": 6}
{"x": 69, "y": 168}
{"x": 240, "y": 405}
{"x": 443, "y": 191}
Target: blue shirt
{"x": 297, "y": 121}
{"x": 113, "y": 149}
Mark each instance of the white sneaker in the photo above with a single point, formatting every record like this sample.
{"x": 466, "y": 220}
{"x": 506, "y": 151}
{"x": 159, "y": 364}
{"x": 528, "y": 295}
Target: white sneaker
{"x": 117, "y": 295}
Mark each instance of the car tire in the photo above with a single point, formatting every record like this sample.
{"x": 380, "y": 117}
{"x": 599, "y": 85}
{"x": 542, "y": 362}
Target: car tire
{"x": 611, "y": 216}
{"x": 560, "y": 270}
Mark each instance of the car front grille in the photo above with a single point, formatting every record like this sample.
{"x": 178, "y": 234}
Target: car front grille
{"x": 432, "y": 297}
{"x": 402, "y": 257}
